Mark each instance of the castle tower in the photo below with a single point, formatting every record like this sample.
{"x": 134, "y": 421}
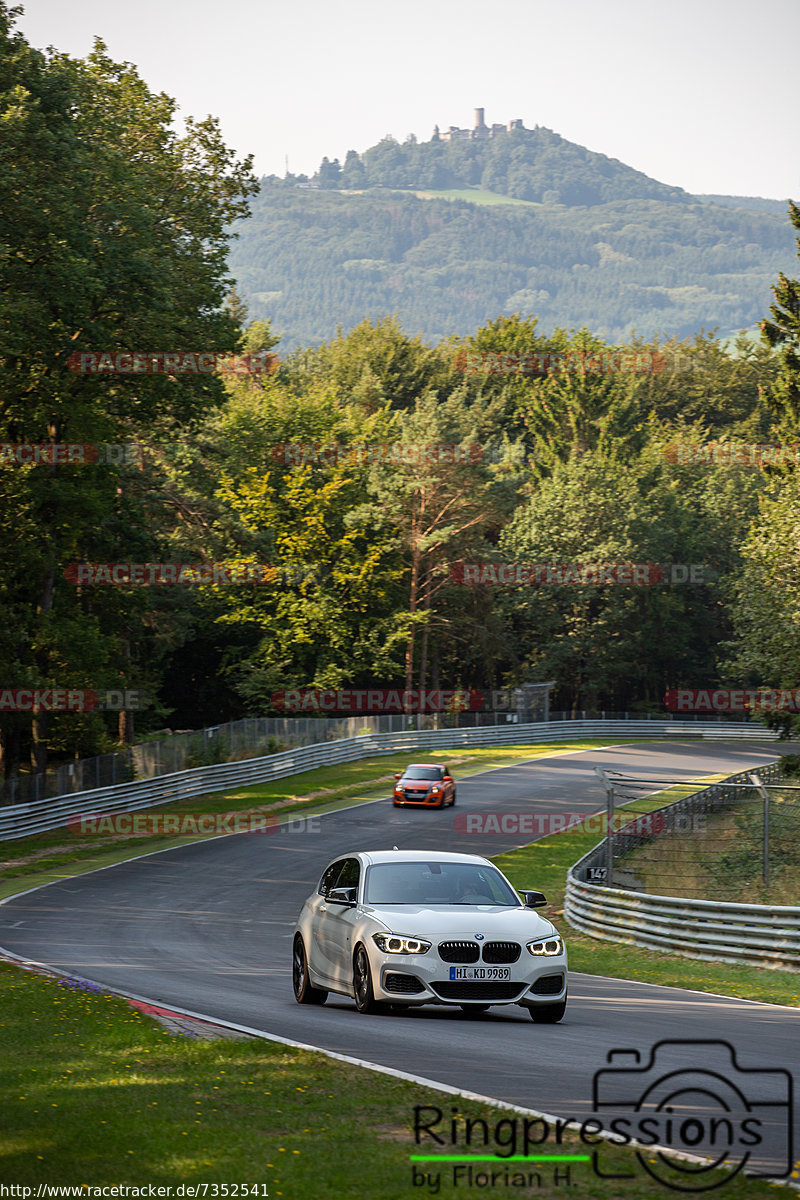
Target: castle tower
{"x": 479, "y": 123}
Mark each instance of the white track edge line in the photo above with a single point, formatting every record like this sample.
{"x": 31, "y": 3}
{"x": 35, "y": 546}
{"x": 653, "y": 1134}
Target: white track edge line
{"x": 393, "y": 1072}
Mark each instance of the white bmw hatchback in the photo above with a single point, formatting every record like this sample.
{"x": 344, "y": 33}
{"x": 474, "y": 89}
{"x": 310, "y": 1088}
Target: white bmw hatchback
{"x": 410, "y": 927}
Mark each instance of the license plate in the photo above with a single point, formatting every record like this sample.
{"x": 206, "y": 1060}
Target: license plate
{"x": 485, "y": 973}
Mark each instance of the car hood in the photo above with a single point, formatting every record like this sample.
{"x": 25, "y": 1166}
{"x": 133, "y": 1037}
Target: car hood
{"x": 443, "y": 922}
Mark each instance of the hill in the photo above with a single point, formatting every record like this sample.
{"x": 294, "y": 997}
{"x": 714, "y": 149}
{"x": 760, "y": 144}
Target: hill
{"x": 451, "y": 234}
{"x": 754, "y": 203}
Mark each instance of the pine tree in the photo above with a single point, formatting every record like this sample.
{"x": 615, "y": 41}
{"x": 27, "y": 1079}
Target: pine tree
{"x": 784, "y": 331}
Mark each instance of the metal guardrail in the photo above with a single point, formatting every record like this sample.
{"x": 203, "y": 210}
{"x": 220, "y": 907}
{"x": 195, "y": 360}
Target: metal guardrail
{"x": 705, "y": 929}
{"x": 38, "y": 816}
{"x": 253, "y": 737}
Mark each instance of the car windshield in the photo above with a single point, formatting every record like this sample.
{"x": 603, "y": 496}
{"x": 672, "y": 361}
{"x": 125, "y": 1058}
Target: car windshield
{"x": 423, "y": 773}
{"x": 436, "y": 883}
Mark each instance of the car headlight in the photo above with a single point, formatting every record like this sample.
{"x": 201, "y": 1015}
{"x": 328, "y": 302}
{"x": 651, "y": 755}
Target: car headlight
{"x": 435, "y": 788}
{"x": 395, "y": 943}
{"x": 399, "y": 789}
{"x": 548, "y": 947}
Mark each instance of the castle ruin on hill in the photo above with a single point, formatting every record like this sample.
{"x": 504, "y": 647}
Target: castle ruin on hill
{"x": 479, "y": 130}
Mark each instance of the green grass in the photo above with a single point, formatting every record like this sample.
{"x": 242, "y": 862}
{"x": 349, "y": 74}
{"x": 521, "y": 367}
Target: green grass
{"x": 93, "y": 1093}
{"x": 474, "y": 195}
{"x": 723, "y": 859}
{"x": 31, "y": 861}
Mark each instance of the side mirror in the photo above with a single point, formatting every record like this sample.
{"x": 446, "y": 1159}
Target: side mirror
{"x": 342, "y": 895}
{"x": 533, "y": 899}
{"x": 447, "y": 777}
{"x": 398, "y": 776}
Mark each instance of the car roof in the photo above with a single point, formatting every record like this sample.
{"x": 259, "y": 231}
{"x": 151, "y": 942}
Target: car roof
{"x": 393, "y": 856}
{"x": 409, "y": 765}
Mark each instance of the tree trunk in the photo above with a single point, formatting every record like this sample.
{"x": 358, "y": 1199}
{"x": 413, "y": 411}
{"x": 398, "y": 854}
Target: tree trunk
{"x": 10, "y": 751}
{"x": 125, "y": 731}
{"x": 413, "y": 597}
{"x": 40, "y": 718}
{"x": 125, "y": 722}
{"x": 423, "y": 652}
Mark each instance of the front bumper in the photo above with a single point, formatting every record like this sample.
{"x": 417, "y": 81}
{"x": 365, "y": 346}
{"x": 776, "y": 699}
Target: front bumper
{"x": 426, "y": 979}
{"x": 419, "y": 799}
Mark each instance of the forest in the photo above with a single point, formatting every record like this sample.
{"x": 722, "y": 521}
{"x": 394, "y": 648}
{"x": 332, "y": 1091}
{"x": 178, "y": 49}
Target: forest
{"x": 209, "y": 538}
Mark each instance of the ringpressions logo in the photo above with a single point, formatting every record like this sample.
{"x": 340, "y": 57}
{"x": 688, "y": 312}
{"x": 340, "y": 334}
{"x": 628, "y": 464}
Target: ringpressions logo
{"x": 693, "y": 1117}
{"x": 693, "y": 1097}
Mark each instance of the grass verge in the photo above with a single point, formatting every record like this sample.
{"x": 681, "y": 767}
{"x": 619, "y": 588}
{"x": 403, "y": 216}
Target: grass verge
{"x": 93, "y": 1093}
{"x": 475, "y": 195}
{"x": 42, "y": 858}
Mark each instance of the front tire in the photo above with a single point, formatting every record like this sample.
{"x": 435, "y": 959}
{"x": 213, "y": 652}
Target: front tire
{"x": 362, "y": 983}
{"x": 548, "y": 1014}
{"x": 304, "y": 991}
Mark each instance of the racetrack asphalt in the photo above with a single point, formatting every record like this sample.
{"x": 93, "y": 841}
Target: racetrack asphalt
{"x": 208, "y": 927}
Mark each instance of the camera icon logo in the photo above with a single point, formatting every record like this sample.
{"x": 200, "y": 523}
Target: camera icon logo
{"x": 693, "y": 1098}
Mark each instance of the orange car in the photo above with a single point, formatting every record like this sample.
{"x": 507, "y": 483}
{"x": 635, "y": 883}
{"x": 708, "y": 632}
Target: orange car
{"x": 425, "y": 784}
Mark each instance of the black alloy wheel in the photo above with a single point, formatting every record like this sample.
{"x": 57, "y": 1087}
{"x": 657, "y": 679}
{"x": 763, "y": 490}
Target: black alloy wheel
{"x": 304, "y": 991}
{"x": 362, "y": 983}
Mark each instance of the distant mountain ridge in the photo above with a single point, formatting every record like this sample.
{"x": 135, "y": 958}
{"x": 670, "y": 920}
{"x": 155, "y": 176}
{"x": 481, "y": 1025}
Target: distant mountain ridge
{"x": 526, "y": 164}
{"x": 597, "y": 243}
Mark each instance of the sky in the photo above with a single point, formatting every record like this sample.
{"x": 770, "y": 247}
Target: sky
{"x": 701, "y": 94}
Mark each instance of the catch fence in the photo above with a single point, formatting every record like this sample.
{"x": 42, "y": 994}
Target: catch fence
{"x": 631, "y": 887}
{"x": 253, "y": 737}
{"x": 36, "y": 816}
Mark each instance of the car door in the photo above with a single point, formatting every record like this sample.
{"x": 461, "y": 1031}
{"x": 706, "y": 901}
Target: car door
{"x": 340, "y": 921}
{"x": 321, "y": 960}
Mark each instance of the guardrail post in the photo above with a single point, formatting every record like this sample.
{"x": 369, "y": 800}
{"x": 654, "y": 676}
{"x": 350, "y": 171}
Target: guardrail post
{"x": 608, "y": 785}
{"x": 764, "y": 794}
